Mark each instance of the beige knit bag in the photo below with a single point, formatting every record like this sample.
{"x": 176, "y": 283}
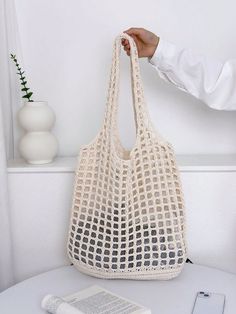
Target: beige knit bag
{"x": 127, "y": 217}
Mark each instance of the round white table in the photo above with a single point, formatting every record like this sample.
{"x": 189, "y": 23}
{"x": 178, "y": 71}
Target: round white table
{"x": 162, "y": 297}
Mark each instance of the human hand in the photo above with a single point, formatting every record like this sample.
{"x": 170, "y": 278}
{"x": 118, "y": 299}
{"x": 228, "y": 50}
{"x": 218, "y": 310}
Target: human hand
{"x": 145, "y": 40}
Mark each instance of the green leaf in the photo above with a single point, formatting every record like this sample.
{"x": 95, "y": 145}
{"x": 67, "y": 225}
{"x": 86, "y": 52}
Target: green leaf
{"x": 24, "y": 89}
{"x": 22, "y": 78}
{"x": 29, "y": 94}
{"x": 24, "y": 83}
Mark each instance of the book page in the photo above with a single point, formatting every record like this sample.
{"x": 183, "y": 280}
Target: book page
{"x": 96, "y": 300}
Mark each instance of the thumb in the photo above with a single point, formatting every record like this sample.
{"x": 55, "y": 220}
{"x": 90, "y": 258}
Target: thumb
{"x": 134, "y": 31}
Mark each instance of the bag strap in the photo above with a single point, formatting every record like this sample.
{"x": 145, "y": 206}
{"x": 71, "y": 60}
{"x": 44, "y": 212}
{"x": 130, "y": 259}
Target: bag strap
{"x": 141, "y": 115}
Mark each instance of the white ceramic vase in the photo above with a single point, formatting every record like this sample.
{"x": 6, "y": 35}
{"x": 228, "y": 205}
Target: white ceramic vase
{"x": 38, "y": 145}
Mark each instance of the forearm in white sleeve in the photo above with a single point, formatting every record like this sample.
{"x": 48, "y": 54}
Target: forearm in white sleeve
{"x": 207, "y": 79}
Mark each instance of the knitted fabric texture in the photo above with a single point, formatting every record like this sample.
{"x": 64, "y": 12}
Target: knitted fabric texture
{"x": 128, "y": 214}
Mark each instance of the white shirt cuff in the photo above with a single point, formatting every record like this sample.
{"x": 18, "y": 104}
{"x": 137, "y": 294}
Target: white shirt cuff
{"x": 164, "y": 51}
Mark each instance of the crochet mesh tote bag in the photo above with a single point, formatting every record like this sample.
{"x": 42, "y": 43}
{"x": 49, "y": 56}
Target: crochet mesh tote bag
{"x": 127, "y": 218}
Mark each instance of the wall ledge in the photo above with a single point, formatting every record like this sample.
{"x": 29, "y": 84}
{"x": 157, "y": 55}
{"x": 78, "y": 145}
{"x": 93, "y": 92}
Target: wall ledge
{"x": 187, "y": 163}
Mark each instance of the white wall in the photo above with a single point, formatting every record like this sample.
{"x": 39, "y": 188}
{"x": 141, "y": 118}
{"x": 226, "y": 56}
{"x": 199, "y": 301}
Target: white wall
{"x": 67, "y": 49}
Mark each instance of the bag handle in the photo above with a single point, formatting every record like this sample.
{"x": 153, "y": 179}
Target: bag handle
{"x": 141, "y": 115}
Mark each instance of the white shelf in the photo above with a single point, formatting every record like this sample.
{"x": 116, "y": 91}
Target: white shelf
{"x": 59, "y": 164}
{"x": 187, "y": 163}
{"x": 206, "y": 163}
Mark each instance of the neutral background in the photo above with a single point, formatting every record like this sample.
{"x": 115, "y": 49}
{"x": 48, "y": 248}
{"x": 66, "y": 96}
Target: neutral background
{"x": 67, "y": 49}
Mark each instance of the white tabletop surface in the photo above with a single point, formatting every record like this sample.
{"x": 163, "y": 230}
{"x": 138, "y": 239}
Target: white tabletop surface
{"x": 162, "y": 297}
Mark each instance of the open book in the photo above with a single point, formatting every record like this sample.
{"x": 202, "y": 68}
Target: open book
{"x": 93, "y": 300}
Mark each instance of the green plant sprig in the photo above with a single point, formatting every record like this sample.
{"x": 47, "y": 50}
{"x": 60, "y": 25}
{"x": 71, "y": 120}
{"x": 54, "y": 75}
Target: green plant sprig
{"x": 25, "y": 89}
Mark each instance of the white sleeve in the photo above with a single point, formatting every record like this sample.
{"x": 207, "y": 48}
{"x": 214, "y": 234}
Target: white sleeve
{"x": 207, "y": 79}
